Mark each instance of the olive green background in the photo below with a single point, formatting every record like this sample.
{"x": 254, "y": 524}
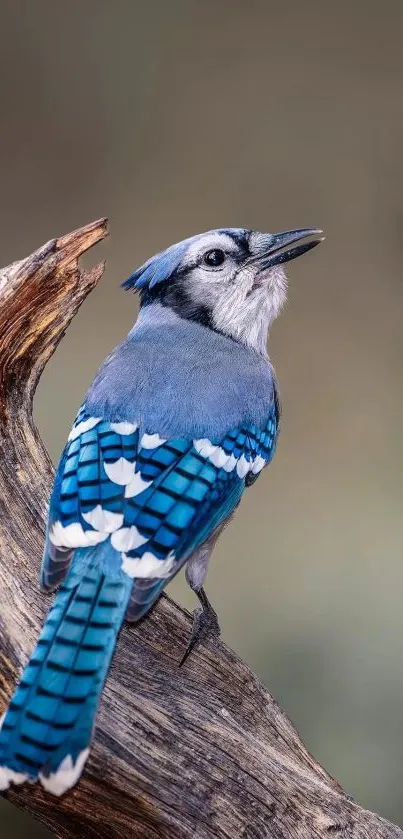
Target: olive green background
{"x": 176, "y": 117}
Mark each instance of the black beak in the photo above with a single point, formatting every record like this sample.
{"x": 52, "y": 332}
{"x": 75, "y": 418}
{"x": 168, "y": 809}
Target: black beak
{"x": 279, "y": 252}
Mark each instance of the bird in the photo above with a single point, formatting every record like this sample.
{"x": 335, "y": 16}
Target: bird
{"x": 179, "y": 420}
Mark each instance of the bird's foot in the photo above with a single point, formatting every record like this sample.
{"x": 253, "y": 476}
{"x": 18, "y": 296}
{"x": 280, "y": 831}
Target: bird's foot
{"x": 205, "y": 625}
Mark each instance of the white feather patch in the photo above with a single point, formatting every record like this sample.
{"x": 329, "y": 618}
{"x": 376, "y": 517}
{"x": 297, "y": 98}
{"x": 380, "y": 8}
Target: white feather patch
{"x": 219, "y": 457}
{"x": 8, "y": 776}
{"x": 85, "y": 425}
{"x": 258, "y": 464}
{"x": 103, "y": 520}
{"x": 120, "y": 472}
{"x": 74, "y": 536}
{"x": 123, "y": 427}
{"x": 231, "y": 463}
{"x": 242, "y": 466}
{"x": 151, "y": 441}
{"x": 215, "y": 454}
{"x": 127, "y": 539}
{"x": 136, "y": 485}
{"x": 204, "y": 447}
{"x": 66, "y": 775}
{"x": 148, "y": 566}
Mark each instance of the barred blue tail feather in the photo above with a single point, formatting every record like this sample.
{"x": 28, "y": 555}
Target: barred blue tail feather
{"x": 47, "y": 729}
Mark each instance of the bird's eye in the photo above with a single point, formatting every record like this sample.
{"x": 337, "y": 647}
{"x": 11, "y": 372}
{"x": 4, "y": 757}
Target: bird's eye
{"x": 214, "y": 258}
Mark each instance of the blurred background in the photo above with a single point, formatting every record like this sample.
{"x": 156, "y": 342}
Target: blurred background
{"x": 172, "y": 118}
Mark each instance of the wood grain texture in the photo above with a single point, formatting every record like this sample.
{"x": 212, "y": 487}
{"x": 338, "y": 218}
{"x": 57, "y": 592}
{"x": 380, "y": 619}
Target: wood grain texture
{"x": 203, "y": 751}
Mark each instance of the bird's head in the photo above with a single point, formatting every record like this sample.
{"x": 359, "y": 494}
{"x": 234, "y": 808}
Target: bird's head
{"x": 231, "y": 280}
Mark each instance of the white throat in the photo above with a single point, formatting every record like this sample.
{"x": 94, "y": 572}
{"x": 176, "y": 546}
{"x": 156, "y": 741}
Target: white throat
{"x": 247, "y": 318}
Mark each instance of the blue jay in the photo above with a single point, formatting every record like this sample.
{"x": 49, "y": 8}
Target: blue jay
{"x": 180, "y": 418}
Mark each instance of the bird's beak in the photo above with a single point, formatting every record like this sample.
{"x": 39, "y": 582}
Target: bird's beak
{"x": 278, "y": 251}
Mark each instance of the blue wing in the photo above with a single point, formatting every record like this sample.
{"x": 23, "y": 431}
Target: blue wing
{"x": 155, "y": 500}
{"x": 127, "y": 510}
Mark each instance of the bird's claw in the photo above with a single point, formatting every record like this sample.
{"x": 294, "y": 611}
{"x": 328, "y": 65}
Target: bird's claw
{"x": 205, "y": 625}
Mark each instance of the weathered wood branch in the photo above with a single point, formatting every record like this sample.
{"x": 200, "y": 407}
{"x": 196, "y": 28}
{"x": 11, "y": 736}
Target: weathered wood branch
{"x": 199, "y": 752}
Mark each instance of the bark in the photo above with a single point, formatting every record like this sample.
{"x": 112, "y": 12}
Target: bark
{"x": 203, "y": 751}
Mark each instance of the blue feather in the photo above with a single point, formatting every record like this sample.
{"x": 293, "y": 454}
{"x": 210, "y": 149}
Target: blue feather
{"x": 52, "y": 713}
{"x": 159, "y": 268}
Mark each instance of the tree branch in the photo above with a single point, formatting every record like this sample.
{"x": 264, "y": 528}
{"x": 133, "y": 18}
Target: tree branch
{"x": 199, "y": 752}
